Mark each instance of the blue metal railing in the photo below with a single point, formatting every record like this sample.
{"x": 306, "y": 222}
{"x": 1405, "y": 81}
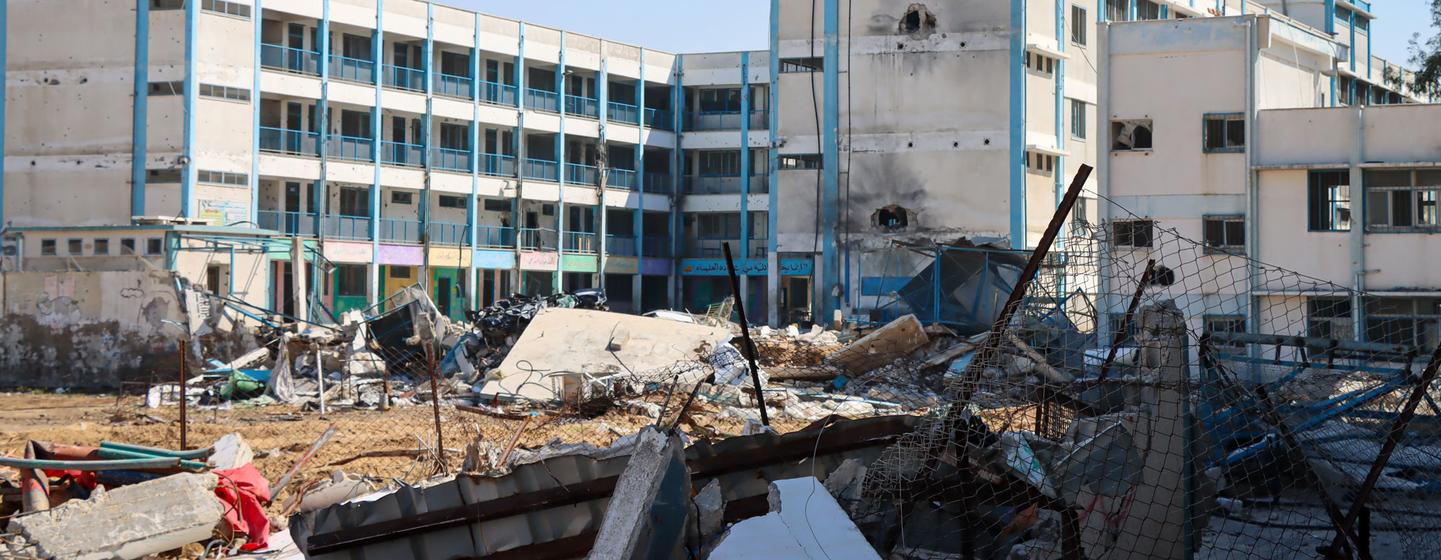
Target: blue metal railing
{"x": 349, "y": 147}
{"x": 448, "y": 233}
{"x": 288, "y": 223}
{"x": 499, "y": 165}
{"x": 401, "y": 77}
{"x": 658, "y": 183}
{"x": 657, "y": 246}
{"x": 453, "y": 86}
{"x": 286, "y": 141}
{"x": 658, "y": 118}
{"x": 400, "y": 153}
{"x": 623, "y": 112}
{"x": 620, "y": 179}
{"x": 352, "y": 69}
{"x": 582, "y": 106}
{"x": 400, "y": 229}
{"x": 712, "y": 184}
{"x": 542, "y": 170}
{"x": 725, "y": 120}
{"x": 542, "y": 100}
{"x": 620, "y": 245}
{"x": 347, "y": 227}
{"x": 289, "y": 59}
{"x": 451, "y": 159}
{"x": 580, "y": 242}
{"x": 580, "y": 174}
{"x": 498, "y": 94}
{"x": 495, "y": 237}
{"x": 538, "y": 239}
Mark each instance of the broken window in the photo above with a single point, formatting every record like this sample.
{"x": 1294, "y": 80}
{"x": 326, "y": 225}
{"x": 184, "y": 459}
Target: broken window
{"x": 212, "y": 278}
{"x": 893, "y": 218}
{"x": 803, "y": 64}
{"x": 400, "y": 272}
{"x": 1078, "y": 119}
{"x": 47, "y": 247}
{"x": 167, "y": 4}
{"x": 227, "y": 8}
{"x": 1329, "y": 317}
{"x": 1400, "y": 200}
{"x": 1130, "y": 135}
{"x": 350, "y": 280}
{"x": 165, "y": 88}
{"x": 163, "y": 175}
{"x": 127, "y": 246}
{"x": 1228, "y": 324}
{"x": 1225, "y": 133}
{"x": 496, "y": 205}
{"x": 398, "y": 197}
{"x": 1224, "y": 234}
{"x": 1147, "y": 10}
{"x": 1117, "y": 10}
{"x": 1079, "y": 25}
{"x": 152, "y": 246}
{"x": 1132, "y": 233}
{"x": 1328, "y": 200}
{"x": 101, "y": 247}
{"x": 448, "y": 201}
{"x": 1406, "y": 321}
{"x": 917, "y": 21}
{"x": 794, "y": 162}
{"x": 76, "y": 247}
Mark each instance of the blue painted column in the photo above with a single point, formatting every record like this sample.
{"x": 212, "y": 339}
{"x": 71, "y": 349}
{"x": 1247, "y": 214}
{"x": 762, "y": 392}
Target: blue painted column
{"x": 518, "y": 138}
{"x": 556, "y": 281}
{"x": 1351, "y": 52}
{"x": 1017, "y": 146}
{"x": 322, "y": 192}
{"x": 773, "y": 168}
{"x": 638, "y": 217}
{"x": 1130, "y": 9}
{"x": 745, "y": 244}
{"x": 602, "y": 171}
{"x": 473, "y": 215}
{"x": 140, "y": 128}
{"x": 254, "y": 118}
{"x": 830, "y": 162}
{"x": 377, "y": 117}
{"x": 1330, "y": 16}
{"x": 1060, "y": 77}
{"x": 189, "y": 172}
{"x": 427, "y": 69}
{"x": 677, "y": 169}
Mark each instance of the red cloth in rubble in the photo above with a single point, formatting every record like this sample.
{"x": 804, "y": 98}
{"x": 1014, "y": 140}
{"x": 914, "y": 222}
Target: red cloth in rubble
{"x": 245, "y": 493}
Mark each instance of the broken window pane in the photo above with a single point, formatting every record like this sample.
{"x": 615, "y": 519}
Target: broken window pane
{"x": 1131, "y": 135}
{"x": 47, "y": 247}
{"x": 806, "y": 64}
{"x": 1328, "y": 201}
{"x": 1079, "y": 23}
{"x": 1224, "y": 133}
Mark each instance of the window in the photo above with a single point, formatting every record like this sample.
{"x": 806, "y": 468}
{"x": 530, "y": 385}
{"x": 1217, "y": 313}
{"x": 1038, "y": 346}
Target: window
{"x": 397, "y": 197}
{"x": 720, "y": 163}
{"x": 1402, "y": 200}
{"x": 1225, "y": 133}
{"x": 1329, "y": 317}
{"x": 167, "y": 4}
{"x": 399, "y": 272}
{"x": 75, "y": 246}
{"x": 1117, "y": 10}
{"x": 1078, "y": 119}
{"x": 496, "y": 205}
{"x": 127, "y": 246}
{"x": 1041, "y": 63}
{"x": 799, "y": 161}
{"x": 1328, "y": 201}
{"x": 454, "y": 136}
{"x": 807, "y": 64}
{"x": 1407, "y": 321}
{"x": 1114, "y": 322}
{"x": 354, "y": 202}
{"x": 223, "y": 178}
{"x": 224, "y": 92}
{"x": 718, "y": 225}
{"x": 720, "y": 100}
{"x": 1232, "y": 324}
{"x": 547, "y": 209}
{"x": 448, "y": 201}
{"x": 1129, "y": 135}
{"x": 212, "y": 278}
{"x": 152, "y": 246}
{"x": 1224, "y": 234}
{"x": 47, "y": 247}
{"x": 1079, "y": 23}
{"x": 1132, "y": 233}
{"x": 101, "y": 247}
{"x": 165, "y": 88}
{"x": 1146, "y": 10}
{"x": 227, "y": 8}
{"x": 350, "y": 280}
{"x": 162, "y": 175}
{"x": 1081, "y": 212}
{"x": 1040, "y": 163}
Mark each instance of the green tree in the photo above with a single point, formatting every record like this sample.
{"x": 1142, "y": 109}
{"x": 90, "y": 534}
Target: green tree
{"x": 1426, "y": 57}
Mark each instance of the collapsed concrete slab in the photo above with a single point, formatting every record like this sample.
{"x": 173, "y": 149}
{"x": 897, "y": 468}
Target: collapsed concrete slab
{"x": 649, "y": 510}
{"x": 128, "y": 522}
{"x": 898, "y": 338}
{"x": 805, "y": 522}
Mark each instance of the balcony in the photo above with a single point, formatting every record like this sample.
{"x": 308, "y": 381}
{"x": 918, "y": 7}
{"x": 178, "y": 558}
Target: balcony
{"x": 725, "y": 120}
{"x": 494, "y": 237}
{"x": 712, "y": 184}
{"x": 497, "y": 165}
{"x": 580, "y": 174}
{"x": 542, "y": 170}
{"x": 542, "y": 100}
{"x": 453, "y": 86}
{"x": 497, "y": 94}
{"x": 582, "y": 106}
{"x": 616, "y": 178}
{"x": 350, "y": 148}
{"x": 400, "y": 153}
{"x": 622, "y": 112}
{"x": 451, "y": 159}
{"x": 447, "y": 233}
{"x": 656, "y": 246}
{"x": 347, "y": 227}
{"x": 352, "y": 69}
{"x": 287, "y": 59}
{"x": 399, "y": 230}
{"x": 288, "y": 223}
{"x": 657, "y": 183}
{"x": 401, "y": 77}
{"x": 658, "y": 118}
{"x": 292, "y": 142}
{"x": 537, "y": 239}
{"x": 581, "y": 242}
{"x": 712, "y": 248}
{"x": 620, "y": 245}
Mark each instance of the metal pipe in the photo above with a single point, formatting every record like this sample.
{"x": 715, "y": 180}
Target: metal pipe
{"x": 107, "y": 465}
{"x": 300, "y": 463}
{"x": 158, "y": 452}
{"x": 184, "y": 425}
{"x": 120, "y": 454}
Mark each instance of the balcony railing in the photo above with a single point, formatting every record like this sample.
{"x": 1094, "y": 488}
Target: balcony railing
{"x": 725, "y": 120}
{"x": 347, "y": 227}
{"x": 658, "y": 118}
{"x": 497, "y": 94}
{"x": 495, "y": 237}
{"x": 620, "y": 245}
{"x": 620, "y": 179}
{"x": 451, "y": 159}
{"x": 447, "y": 233}
{"x": 498, "y": 165}
{"x": 401, "y": 77}
{"x": 286, "y": 141}
{"x": 582, "y": 106}
{"x": 352, "y": 69}
{"x": 580, "y": 242}
{"x": 542, "y": 100}
{"x": 537, "y": 239}
{"x": 288, "y": 223}
{"x": 712, "y": 184}
{"x": 300, "y": 61}
{"x": 453, "y": 86}
{"x": 349, "y": 148}
{"x": 400, "y": 230}
{"x": 713, "y": 248}
{"x": 580, "y": 174}
{"x": 400, "y": 153}
{"x": 542, "y": 170}
{"x": 658, "y": 183}
{"x": 656, "y": 246}
{"x": 623, "y": 112}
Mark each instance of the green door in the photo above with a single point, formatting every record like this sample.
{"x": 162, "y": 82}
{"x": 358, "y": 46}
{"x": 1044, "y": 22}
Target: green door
{"x": 448, "y": 289}
{"x": 349, "y": 287}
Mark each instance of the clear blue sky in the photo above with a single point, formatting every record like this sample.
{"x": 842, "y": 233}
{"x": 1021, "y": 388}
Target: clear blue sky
{"x": 731, "y": 25}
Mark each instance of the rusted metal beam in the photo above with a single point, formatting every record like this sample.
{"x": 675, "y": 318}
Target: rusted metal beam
{"x": 1119, "y": 336}
{"x": 750, "y": 349}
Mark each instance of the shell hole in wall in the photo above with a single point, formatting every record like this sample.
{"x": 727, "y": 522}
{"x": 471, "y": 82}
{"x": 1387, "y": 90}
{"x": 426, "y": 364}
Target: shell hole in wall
{"x": 891, "y": 218}
{"x": 917, "y": 21}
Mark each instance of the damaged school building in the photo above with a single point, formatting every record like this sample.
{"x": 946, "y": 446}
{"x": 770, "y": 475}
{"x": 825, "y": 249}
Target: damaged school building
{"x": 952, "y": 279}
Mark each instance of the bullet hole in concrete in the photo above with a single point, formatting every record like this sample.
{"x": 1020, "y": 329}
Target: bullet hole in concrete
{"x": 918, "y": 21}
{"x": 900, "y": 46}
{"x": 988, "y": 141}
{"x": 955, "y": 144}
{"x": 963, "y": 44}
{"x": 892, "y": 218}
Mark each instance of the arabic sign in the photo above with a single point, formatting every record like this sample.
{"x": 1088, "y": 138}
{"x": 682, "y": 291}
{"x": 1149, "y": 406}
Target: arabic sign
{"x": 744, "y": 267}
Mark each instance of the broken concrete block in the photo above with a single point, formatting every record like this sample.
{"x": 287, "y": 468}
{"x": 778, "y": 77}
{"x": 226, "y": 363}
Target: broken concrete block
{"x": 710, "y": 504}
{"x": 844, "y": 483}
{"x": 128, "y": 522}
{"x": 231, "y": 452}
{"x": 899, "y": 337}
{"x": 805, "y": 522}
{"x": 649, "y": 511}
